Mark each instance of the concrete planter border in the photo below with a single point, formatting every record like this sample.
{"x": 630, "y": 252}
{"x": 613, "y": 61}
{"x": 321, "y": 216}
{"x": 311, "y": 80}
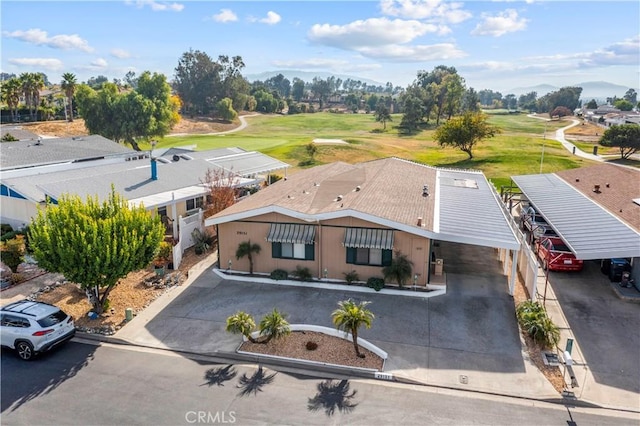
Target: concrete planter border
{"x": 330, "y": 332}
{"x": 435, "y": 290}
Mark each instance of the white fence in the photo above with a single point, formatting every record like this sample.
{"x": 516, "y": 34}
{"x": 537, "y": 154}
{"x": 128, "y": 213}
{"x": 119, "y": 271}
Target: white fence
{"x": 186, "y": 226}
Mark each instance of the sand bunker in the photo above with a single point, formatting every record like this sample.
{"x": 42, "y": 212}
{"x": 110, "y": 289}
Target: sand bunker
{"x": 336, "y": 141}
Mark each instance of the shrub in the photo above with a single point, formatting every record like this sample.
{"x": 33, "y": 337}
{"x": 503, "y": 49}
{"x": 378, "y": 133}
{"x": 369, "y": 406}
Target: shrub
{"x": 202, "y": 240}
{"x": 4, "y": 228}
{"x": 164, "y": 252}
{"x": 16, "y": 278}
{"x": 351, "y": 277}
{"x": 533, "y": 319}
{"x": 8, "y": 137}
{"x": 375, "y": 283}
{"x": 279, "y": 274}
{"x": 13, "y": 252}
{"x": 311, "y": 346}
{"x": 302, "y": 273}
{"x": 9, "y": 235}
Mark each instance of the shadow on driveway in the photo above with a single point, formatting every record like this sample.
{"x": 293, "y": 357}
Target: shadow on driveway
{"x": 473, "y": 326}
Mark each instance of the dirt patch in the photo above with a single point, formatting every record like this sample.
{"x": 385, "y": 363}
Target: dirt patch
{"x": 553, "y": 374}
{"x": 131, "y": 292}
{"x": 62, "y": 128}
{"x": 330, "y": 349}
{"x": 584, "y": 132}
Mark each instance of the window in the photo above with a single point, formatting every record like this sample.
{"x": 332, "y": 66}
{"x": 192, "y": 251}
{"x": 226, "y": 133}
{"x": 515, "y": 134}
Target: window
{"x": 14, "y": 321}
{"x": 194, "y": 203}
{"x": 293, "y": 251}
{"x": 162, "y": 211}
{"x": 368, "y": 256}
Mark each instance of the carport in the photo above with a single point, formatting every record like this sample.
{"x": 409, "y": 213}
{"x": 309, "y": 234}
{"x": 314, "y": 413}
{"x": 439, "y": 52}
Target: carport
{"x": 589, "y": 231}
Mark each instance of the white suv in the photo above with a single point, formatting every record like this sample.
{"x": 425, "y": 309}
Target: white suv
{"x": 34, "y": 327}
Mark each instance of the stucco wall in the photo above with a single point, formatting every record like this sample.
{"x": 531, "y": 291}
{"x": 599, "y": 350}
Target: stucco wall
{"x": 17, "y": 212}
{"x": 329, "y": 250}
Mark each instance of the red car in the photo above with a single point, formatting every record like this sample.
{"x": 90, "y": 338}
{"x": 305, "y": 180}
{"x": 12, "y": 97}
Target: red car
{"x": 556, "y": 256}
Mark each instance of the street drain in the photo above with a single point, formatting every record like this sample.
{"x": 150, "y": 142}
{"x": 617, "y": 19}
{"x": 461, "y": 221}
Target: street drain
{"x": 550, "y": 359}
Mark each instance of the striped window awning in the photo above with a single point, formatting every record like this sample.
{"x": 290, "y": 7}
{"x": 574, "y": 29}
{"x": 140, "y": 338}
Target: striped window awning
{"x": 291, "y": 233}
{"x": 369, "y": 238}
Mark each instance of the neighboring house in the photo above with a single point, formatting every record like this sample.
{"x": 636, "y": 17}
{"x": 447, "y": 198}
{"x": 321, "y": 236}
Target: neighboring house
{"x": 340, "y": 217}
{"x": 170, "y": 185}
{"x": 595, "y": 209}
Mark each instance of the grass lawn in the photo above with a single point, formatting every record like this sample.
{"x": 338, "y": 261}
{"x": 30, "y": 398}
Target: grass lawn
{"x": 516, "y": 151}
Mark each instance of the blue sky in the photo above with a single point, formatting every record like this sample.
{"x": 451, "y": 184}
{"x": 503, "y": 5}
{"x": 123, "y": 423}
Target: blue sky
{"x": 495, "y": 45}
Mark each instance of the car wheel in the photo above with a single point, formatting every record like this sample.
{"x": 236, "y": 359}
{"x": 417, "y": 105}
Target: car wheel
{"x": 25, "y": 350}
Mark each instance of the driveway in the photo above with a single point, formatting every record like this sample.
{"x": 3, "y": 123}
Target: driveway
{"x": 606, "y": 328}
{"x": 470, "y": 331}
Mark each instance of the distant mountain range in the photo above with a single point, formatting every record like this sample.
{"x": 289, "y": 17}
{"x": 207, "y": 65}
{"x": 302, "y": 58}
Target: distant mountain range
{"x": 590, "y": 90}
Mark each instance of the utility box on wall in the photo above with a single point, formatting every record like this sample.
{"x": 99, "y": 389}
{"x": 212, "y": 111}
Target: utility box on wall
{"x": 438, "y": 268}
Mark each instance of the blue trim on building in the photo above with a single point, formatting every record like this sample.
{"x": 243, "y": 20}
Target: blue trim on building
{"x": 5, "y": 191}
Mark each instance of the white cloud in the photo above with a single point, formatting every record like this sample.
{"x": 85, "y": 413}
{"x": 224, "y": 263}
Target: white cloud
{"x": 369, "y": 33}
{"x": 157, "y": 6}
{"x": 50, "y": 64}
{"x": 225, "y": 15}
{"x": 99, "y": 63}
{"x": 419, "y": 53}
{"x": 41, "y": 38}
{"x": 626, "y": 52}
{"x": 120, "y": 53}
{"x": 500, "y": 24}
{"x": 272, "y": 18}
{"x": 436, "y": 10}
{"x": 335, "y": 65}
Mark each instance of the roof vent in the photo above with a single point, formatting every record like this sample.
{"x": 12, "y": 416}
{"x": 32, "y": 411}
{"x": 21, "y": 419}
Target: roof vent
{"x": 425, "y": 191}
{"x": 316, "y": 184}
{"x": 419, "y": 220}
{"x": 577, "y": 179}
{"x": 186, "y": 157}
{"x": 39, "y": 141}
{"x": 339, "y": 198}
{"x": 596, "y": 189}
{"x": 358, "y": 188}
{"x": 176, "y": 157}
{"x": 607, "y": 185}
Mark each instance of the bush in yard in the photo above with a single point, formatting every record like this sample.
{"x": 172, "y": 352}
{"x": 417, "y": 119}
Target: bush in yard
{"x": 13, "y": 252}
{"x": 351, "y": 277}
{"x": 302, "y": 273}
{"x": 375, "y": 283}
{"x": 279, "y": 274}
{"x": 533, "y": 318}
{"x": 273, "y": 326}
{"x": 202, "y": 241}
{"x": 311, "y": 345}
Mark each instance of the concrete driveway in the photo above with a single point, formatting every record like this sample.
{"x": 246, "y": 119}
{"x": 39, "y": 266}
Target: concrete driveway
{"x": 606, "y": 328}
{"x": 470, "y": 331}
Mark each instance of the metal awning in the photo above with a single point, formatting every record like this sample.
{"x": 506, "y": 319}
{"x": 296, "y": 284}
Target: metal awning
{"x": 369, "y": 238}
{"x": 291, "y": 233}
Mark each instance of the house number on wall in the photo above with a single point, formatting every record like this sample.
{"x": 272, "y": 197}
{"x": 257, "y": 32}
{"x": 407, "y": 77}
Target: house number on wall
{"x": 241, "y": 232}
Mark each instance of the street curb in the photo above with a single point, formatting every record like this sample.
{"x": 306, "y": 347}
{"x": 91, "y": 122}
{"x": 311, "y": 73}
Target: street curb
{"x": 334, "y": 370}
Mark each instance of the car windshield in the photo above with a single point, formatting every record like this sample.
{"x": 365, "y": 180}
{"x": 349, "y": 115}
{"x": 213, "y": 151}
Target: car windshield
{"x": 560, "y": 247}
{"x": 52, "y": 319}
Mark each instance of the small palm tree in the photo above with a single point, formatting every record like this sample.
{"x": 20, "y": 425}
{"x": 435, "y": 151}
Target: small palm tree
{"x": 350, "y": 316}
{"x": 400, "y": 269}
{"x": 274, "y": 326}
{"x": 247, "y": 249}
{"x": 241, "y": 323}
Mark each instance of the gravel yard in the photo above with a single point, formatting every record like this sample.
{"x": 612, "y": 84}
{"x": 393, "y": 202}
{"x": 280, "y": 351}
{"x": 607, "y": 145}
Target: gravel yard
{"x": 331, "y": 350}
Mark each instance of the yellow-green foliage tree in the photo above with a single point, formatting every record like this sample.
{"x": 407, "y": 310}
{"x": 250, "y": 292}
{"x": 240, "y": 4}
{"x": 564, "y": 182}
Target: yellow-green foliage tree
{"x": 94, "y": 243}
{"x": 465, "y": 131}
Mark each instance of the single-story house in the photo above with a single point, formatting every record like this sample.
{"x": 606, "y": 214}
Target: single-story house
{"x": 594, "y": 209}
{"x": 340, "y": 217}
{"x": 167, "y": 182}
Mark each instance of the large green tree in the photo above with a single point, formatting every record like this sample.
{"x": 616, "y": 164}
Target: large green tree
{"x": 350, "y": 316}
{"x": 68, "y": 85}
{"x": 382, "y": 114}
{"x": 11, "y": 91}
{"x": 147, "y": 112}
{"x": 465, "y": 131}
{"x": 95, "y": 243}
{"x": 625, "y": 137}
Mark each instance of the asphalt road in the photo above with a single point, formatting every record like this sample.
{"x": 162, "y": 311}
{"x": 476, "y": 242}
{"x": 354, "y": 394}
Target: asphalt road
{"x": 111, "y": 385}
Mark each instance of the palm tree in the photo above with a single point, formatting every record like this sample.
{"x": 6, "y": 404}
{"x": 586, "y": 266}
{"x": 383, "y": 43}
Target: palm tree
{"x": 241, "y": 323}
{"x": 274, "y": 326}
{"x": 69, "y": 86}
{"x": 11, "y": 90}
{"x": 350, "y": 316}
{"x": 32, "y": 83}
{"x": 399, "y": 270}
{"x": 247, "y": 249}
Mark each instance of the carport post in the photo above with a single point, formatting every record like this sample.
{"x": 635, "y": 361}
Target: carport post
{"x": 514, "y": 271}
{"x": 546, "y": 284}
